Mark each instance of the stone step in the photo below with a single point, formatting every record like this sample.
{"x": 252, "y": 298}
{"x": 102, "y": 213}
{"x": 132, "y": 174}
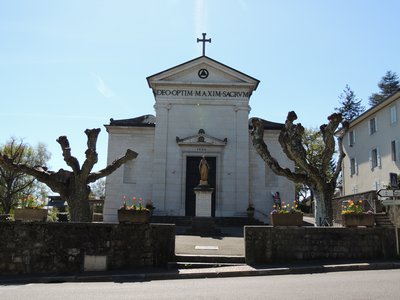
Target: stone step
{"x": 219, "y": 221}
{"x": 199, "y": 265}
{"x": 382, "y": 220}
{"x": 236, "y": 259}
{"x": 187, "y": 261}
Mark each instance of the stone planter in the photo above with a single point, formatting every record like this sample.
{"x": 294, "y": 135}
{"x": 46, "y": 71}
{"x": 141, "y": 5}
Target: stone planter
{"x": 30, "y": 214}
{"x": 354, "y": 220}
{"x": 290, "y": 219}
{"x": 133, "y": 216}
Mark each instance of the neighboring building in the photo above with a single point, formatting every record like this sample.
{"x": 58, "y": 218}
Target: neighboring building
{"x": 202, "y": 108}
{"x": 372, "y": 147}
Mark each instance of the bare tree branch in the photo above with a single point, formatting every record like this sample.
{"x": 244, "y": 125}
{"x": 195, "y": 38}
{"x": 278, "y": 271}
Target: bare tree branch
{"x": 262, "y": 149}
{"x": 328, "y": 132}
{"x": 91, "y": 154}
{"x": 290, "y": 139}
{"x": 129, "y": 155}
{"x": 68, "y": 158}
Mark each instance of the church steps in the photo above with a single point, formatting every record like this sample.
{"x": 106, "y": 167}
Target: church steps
{"x": 199, "y": 265}
{"x": 219, "y": 221}
{"x": 185, "y": 261}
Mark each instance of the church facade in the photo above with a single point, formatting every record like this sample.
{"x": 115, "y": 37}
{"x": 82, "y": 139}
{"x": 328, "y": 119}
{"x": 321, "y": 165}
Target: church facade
{"x": 201, "y": 109}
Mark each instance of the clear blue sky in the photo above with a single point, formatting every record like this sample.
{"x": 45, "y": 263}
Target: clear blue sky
{"x": 70, "y": 65}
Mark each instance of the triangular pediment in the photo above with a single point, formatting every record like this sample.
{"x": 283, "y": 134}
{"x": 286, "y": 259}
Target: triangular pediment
{"x": 202, "y": 71}
{"x": 201, "y": 139}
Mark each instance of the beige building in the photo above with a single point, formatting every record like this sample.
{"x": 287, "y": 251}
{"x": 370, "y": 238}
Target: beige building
{"x": 201, "y": 108}
{"x": 372, "y": 147}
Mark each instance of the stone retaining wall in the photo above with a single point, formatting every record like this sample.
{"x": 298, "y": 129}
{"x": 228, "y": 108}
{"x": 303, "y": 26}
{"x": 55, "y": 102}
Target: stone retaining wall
{"x": 267, "y": 244}
{"x": 76, "y": 247}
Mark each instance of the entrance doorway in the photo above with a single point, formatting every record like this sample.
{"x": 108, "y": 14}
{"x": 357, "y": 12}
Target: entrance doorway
{"x": 193, "y": 179}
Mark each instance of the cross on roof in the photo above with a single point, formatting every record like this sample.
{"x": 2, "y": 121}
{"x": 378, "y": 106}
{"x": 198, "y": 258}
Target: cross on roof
{"x": 204, "y": 40}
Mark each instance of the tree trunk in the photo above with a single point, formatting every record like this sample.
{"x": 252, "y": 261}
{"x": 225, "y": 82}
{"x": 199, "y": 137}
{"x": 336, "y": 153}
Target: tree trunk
{"x": 7, "y": 205}
{"x": 77, "y": 198}
{"x": 323, "y": 207}
{"x": 79, "y": 208}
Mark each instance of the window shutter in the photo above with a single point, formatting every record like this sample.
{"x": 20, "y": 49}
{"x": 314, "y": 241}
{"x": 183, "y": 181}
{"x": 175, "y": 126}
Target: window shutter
{"x": 370, "y": 159}
{"x": 398, "y": 151}
{"x": 350, "y": 170}
{"x": 378, "y": 157}
{"x": 356, "y": 165}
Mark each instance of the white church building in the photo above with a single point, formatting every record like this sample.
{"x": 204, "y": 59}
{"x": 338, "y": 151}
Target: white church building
{"x": 201, "y": 108}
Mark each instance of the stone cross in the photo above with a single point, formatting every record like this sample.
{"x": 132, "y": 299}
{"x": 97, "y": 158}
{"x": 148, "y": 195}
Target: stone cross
{"x": 204, "y": 40}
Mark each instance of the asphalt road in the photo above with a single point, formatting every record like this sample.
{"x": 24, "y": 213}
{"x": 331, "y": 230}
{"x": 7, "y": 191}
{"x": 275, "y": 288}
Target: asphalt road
{"x": 339, "y": 285}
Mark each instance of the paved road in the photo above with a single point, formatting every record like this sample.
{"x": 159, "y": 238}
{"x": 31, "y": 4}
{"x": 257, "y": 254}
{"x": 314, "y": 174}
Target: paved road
{"x": 340, "y": 285}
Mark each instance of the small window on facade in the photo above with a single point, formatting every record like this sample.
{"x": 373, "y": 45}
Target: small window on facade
{"x": 394, "y": 150}
{"x": 372, "y": 126}
{"x": 374, "y": 158}
{"x": 353, "y": 166}
{"x": 352, "y": 138}
{"x": 393, "y": 115}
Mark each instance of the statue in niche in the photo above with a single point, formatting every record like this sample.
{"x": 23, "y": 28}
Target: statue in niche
{"x": 204, "y": 169}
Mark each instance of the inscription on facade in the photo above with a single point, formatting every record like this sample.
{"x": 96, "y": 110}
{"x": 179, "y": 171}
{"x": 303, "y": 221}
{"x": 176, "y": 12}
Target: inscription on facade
{"x": 199, "y": 93}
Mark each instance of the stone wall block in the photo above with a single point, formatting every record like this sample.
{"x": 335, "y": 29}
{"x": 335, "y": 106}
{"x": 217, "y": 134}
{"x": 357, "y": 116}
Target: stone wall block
{"x": 62, "y": 247}
{"x": 266, "y": 244}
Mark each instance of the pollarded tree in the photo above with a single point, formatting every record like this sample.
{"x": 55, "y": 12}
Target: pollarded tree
{"x": 388, "y": 85}
{"x": 319, "y": 175}
{"x": 14, "y": 184}
{"x": 351, "y": 106}
{"x": 73, "y": 186}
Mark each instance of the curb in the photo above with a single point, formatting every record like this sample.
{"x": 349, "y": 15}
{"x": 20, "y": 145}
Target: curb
{"x": 201, "y": 273}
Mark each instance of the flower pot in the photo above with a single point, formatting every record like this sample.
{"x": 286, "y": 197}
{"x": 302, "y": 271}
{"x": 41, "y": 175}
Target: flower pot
{"x": 354, "y": 220}
{"x": 30, "y": 214}
{"x": 290, "y": 219}
{"x": 133, "y": 216}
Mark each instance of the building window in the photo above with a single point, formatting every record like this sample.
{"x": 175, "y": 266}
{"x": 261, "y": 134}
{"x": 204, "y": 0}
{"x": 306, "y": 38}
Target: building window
{"x": 353, "y": 166}
{"x": 375, "y": 159}
{"x": 352, "y": 138}
{"x": 393, "y": 115}
{"x": 393, "y": 148}
{"x": 372, "y": 126}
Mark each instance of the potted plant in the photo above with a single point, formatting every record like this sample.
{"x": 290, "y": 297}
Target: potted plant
{"x": 250, "y": 211}
{"x": 286, "y": 215}
{"x": 353, "y": 214}
{"x": 30, "y": 209}
{"x": 135, "y": 213}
